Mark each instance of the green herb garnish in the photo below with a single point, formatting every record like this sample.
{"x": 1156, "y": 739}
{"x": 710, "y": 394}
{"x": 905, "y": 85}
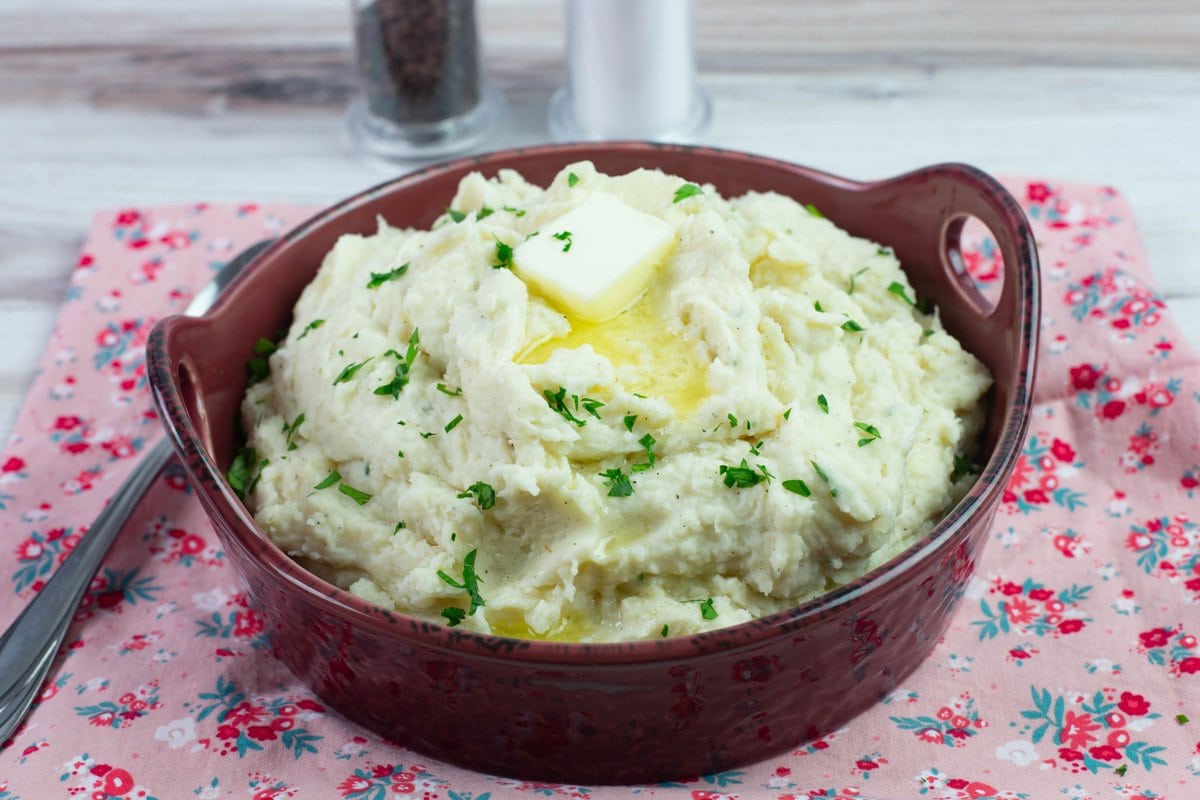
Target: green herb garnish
{"x": 617, "y": 482}
{"x": 743, "y": 476}
{"x": 244, "y": 471}
{"x": 403, "y": 367}
{"x": 519, "y": 212}
{"x": 629, "y": 420}
{"x": 1182, "y": 719}
{"x": 290, "y": 430}
{"x": 454, "y": 616}
{"x": 380, "y": 278}
{"x": 648, "y": 443}
{"x": 572, "y": 179}
{"x": 457, "y": 216}
{"x": 484, "y": 213}
{"x": 357, "y": 496}
{"x": 590, "y": 405}
{"x": 811, "y": 209}
{"x": 821, "y": 474}
{"x": 883, "y": 251}
{"x": 665, "y": 630}
{"x": 817, "y": 306}
{"x": 401, "y": 525}
{"x": 444, "y": 389}
{"x": 852, "y": 326}
{"x": 706, "y": 609}
{"x": 312, "y": 326}
{"x": 565, "y": 236}
{"x": 452, "y": 424}
{"x": 962, "y": 468}
{"x": 557, "y": 402}
{"x": 329, "y": 480}
{"x": 427, "y": 434}
{"x": 469, "y": 582}
{"x": 504, "y": 256}
{"x": 822, "y": 403}
{"x": 925, "y": 334}
{"x": 348, "y": 371}
{"x": 897, "y": 288}
{"x": 484, "y": 495}
{"x": 788, "y": 414}
{"x": 797, "y": 486}
{"x": 853, "y": 277}
{"x": 870, "y": 433}
{"x": 686, "y": 191}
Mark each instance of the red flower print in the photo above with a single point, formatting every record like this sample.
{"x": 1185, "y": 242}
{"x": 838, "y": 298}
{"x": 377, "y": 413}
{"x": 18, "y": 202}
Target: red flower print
{"x": 1070, "y": 626}
{"x": 176, "y": 240}
{"x": 103, "y": 719}
{"x": 129, "y": 216}
{"x": 1037, "y": 193}
{"x": 13, "y": 464}
{"x": 1192, "y": 584}
{"x": 945, "y": 713}
{"x": 956, "y": 783}
{"x": 1018, "y": 654}
{"x": 1041, "y": 595}
{"x": 1133, "y": 704}
{"x": 118, "y": 782}
{"x": 381, "y": 770}
{"x": 245, "y": 714}
{"x": 1036, "y": 497}
{"x": 1155, "y": 637}
{"x": 960, "y": 722}
{"x": 866, "y": 765}
{"x": 227, "y": 731}
{"x": 29, "y": 550}
{"x": 1020, "y": 612}
{"x": 281, "y": 724}
{"x": 1010, "y": 588}
{"x": 820, "y": 744}
{"x": 1062, "y": 451}
{"x": 1118, "y": 738}
{"x": 1112, "y": 409}
{"x": 310, "y": 705}
{"x": 1077, "y": 728}
{"x": 67, "y": 423}
{"x": 1068, "y": 754}
{"x": 247, "y": 623}
{"x": 977, "y": 790}
{"x": 1187, "y": 482}
{"x": 1114, "y": 720}
{"x": 352, "y": 785}
{"x": 1084, "y": 377}
{"x": 1105, "y": 752}
{"x": 261, "y": 733}
{"x": 1190, "y": 665}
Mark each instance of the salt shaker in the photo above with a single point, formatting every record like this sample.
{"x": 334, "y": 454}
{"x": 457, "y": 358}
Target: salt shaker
{"x": 630, "y": 73}
{"x": 421, "y": 90}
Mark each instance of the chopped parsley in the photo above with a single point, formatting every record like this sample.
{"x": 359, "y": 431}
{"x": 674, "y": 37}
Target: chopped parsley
{"x": 312, "y": 326}
{"x": 648, "y": 443}
{"x": 706, "y": 609}
{"x": 258, "y": 367}
{"x": 686, "y": 191}
{"x": 565, "y": 236}
{"x": 852, "y": 326}
{"x": 797, "y": 486}
{"x": 244, "y": 471}
{"x": 329, "y": 480}
{"x": 452, "y": 424}
{"x": 665, "y": 630}
{"x": 883, "y": 251}
{"x": 813, "y": 210}
{"x": 380, "y": 278}
{"x": 401, "y": 525}
{"x": 733, "y": 421}
{"x": 469, "y": 582}
{"x": 787, "y": 414}
{"x": 821, "y": 474}
{"x": 557, "y": 402}
{"x": 925, "y": 334}
{"x": 754, "y": 448}
{"x": 822, "y": 403}
{"x": 870, "y": 433}
{"x": 817, "y": 306}
{"x": 483, "y": 493}
{"x": 518, "y": 212}
{"x": 743, "y": 476}
{"x": 504, "y": 256}
{"x": 427, "y": 434}
{"x": 629, "y": 420}
{"x": 357, "y": 496}
{"x": 291, "y": 428}
{"x": 962, "y": 468}
{"x": 348, "y": 371}
{"x": 484, "y": 213}
{"x": 897, "y": 288}
{"x": 852, "y": 279}
{"x": 454, "y": 616}
{"x": 572, "y": 179}
{"x": 444, "y": 389}
{"x": 403, "y": 367}
{"x": 617, "y": 482}
{"x": 457, "y": 216}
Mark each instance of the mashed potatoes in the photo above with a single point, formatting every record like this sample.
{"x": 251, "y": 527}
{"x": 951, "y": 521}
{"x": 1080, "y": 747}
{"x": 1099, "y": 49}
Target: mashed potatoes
{"x": 773, "y": 417}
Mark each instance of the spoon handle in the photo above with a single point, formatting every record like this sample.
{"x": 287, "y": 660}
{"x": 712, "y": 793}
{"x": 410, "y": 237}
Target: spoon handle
{"x": 28, "y": 647}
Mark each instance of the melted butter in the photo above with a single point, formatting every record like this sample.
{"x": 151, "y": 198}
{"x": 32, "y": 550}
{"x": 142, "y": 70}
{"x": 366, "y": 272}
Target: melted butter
{"x": 649, "y": 359}
{"x": 570, "y": 628}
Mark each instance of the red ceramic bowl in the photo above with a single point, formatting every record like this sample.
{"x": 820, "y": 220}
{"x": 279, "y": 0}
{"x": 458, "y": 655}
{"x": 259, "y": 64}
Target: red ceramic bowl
{"x": 639, "y": 711}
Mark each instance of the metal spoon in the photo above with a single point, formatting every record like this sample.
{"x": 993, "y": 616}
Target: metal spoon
{"x": 28, "y": 647}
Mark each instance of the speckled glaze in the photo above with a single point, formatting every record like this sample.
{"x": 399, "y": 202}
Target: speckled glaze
{"x": 639, "y": 711}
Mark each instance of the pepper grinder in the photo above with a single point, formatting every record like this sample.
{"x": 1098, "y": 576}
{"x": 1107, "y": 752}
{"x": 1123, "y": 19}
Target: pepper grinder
{"x": 631, "y": 73}
{"x": 421, "y": 91}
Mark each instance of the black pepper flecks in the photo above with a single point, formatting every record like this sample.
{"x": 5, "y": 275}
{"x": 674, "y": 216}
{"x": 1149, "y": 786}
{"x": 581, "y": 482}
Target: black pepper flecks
{"x": 418, "y": 59}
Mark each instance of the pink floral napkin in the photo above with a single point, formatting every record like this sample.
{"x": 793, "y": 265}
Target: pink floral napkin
{"x": 1070, "y": 670}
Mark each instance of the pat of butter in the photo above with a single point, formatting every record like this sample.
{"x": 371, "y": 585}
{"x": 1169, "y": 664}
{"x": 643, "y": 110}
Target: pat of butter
{"x": 595, "y": 260}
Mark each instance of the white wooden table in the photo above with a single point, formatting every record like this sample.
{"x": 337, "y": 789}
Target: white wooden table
{"x": 124, "y": 103}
